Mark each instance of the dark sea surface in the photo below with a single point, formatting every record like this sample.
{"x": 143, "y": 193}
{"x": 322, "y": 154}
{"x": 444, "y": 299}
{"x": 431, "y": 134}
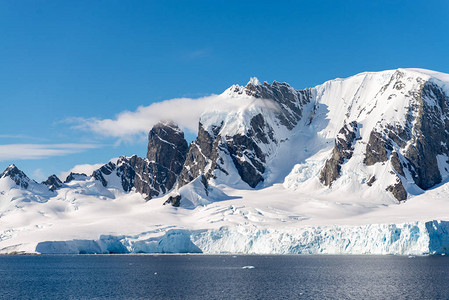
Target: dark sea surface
{"x": 223, "y": 277}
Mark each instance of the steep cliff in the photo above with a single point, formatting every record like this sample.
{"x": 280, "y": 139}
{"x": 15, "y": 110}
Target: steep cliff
{"x": 154, "y": 175}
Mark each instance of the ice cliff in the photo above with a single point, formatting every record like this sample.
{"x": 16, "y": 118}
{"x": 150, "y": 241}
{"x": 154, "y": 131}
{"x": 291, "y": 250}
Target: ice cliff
{"x": 418, "y": 238}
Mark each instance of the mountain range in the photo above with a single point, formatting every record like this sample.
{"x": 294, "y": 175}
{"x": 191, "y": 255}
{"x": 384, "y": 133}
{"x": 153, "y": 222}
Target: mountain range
{"x": 310, "y": 169}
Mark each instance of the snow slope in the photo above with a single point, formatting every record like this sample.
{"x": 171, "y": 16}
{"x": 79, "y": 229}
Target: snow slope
{"x": 389, "y": 103}
{"x": 375, "y": 102}
{"x": 272, "y": 220}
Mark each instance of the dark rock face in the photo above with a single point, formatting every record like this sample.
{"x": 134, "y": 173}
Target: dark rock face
{"x": 398, "y": 190}
{"x": 376, "y": 149}
{"x": 290, "y": 100}
{"x": 207, "y": 153}
{"x": 158, "y": 173}
{"x": 167, "y": 148}
{"x": 397, "y": 166}
{"x": 414, "y": 148}
{"x": 430, "y": 138}
{"x": 203, "y": 157}
{"x": 371, "y": 181}
{"x": 53, "y": 182}
{"x": 343, "y": 150}
{"x": 17, "y": 176}
{"x": 247, "y": 158}
{"x": 107, "y": 169}
{"x": 75, "y": 176}
{"x": 134, "y": 172}
{"x": 381, "y": 144}
{"x": 174, "y": 200}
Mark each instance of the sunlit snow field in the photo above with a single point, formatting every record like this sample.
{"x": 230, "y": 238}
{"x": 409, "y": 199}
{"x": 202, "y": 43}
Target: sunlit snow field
{"x": 270, "y": 220}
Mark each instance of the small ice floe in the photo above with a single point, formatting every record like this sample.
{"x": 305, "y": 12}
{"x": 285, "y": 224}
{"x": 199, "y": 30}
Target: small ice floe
{"x": 248, "y": 267}
{"x": 155, "y": 273}
{"x": 411, "y": 256}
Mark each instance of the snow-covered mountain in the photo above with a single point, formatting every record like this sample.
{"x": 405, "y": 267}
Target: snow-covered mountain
{"x": 374, "y": 134}
{"x": 266, "y": 156}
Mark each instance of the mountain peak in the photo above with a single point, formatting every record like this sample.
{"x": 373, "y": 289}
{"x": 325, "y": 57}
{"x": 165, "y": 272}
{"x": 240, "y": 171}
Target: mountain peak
{"x": 10, "y": 167}
{"x": 75, "y": 176}
{"x": 253, "y": 81}
{"x": 53, "y": 182}
{"x": 16, "y": 175}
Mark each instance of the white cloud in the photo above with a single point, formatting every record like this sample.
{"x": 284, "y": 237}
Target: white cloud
{"x": 185, "y": 112}
{"x": 38, "y": 151}
{"x": 20, "y": 136}
{"x": 86, "y": 169}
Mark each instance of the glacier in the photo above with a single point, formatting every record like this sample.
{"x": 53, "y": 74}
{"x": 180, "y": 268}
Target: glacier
{"x": 417, "y": 238}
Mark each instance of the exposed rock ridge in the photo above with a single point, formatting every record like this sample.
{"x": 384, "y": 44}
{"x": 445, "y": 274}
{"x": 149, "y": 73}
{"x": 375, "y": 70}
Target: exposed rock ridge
{"x": 167, "y": 150}
{"x": 75, "y": 176}
{"x": 156, "y": 174}
{"x": 401, "y": 135}
{"x": 17, "y": 176}
{"x": 430, "y": 137}
{"x": 413, "y": 150}
{"x": 214, "y": 148}
{"x": 53, "y": 182}
{"x": 24, "y": 182}
{"x": 290, "y": 100}
{"x": 203, "y": 157}
{"x": 343, "y": 150}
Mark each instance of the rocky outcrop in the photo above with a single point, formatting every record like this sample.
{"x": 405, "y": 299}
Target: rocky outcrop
{"x": 203, "y": 156}
{"x": 396, "y": 164}
{"x": 371, "y": 181}
{"x": 405, "y": 127}
{"x": 206, "y": 153}
{"x": 23, "y": 181}
{"x": 398, "y": 190}
{"x": 290, "y": 100}
{"x": 75, "y": 176}
{"x": 104, "y": 171}
{"x": 430, "y": 136}
{"x": 154, "y": 175}
{"x": 215, "y": 146}
{"x": 133, "y": 173}
{"x": 248, "y": 158}
{"x": 53, "y": 182}
{"x": 17, "y": 176}
{"x": 413, "y": 150}
{"x": 377, "y": 149}
{"x": 343, "y": 150}
{"x": 174, "y": 200}
{"x": 167, "y": 151}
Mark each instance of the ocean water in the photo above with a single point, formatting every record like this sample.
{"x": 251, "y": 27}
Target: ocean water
{"x": 223, "y": 277}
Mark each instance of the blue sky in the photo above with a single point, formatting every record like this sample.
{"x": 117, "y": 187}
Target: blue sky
{"x": 65, "y": 64}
